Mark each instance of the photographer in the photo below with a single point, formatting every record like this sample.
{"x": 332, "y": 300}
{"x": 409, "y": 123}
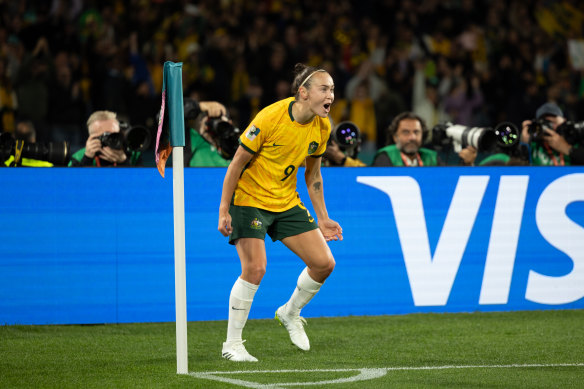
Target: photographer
{"x": 24, "y": 132}
{"x": 104, "y": 146}
{"x": 404, "y": 145}
{"x": 204, "y": 147}
{"x": 551, "y": 139}
{"x": 24, "y": 150}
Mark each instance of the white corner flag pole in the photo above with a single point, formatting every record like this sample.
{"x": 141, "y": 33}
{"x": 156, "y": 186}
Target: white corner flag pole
{"x": 180, "y": 284}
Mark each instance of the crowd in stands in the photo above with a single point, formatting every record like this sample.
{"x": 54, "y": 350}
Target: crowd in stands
{"x": 474, "y": 63}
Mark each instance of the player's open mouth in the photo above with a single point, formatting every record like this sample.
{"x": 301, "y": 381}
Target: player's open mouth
{"x": 327, "y": 107}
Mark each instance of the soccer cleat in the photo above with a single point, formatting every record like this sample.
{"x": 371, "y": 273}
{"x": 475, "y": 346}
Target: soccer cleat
{"x": 295, "y": 327}
{"x": 235, "y": 351}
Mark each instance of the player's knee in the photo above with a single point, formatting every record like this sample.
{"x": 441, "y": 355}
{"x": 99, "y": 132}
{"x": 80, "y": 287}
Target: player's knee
{"x": 330, "y": 266}
{"x": 325, "y": 267}
{"x": 255, "y": 273}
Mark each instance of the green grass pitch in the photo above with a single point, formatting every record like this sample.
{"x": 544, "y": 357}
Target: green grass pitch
{"x": 531, "y": 349}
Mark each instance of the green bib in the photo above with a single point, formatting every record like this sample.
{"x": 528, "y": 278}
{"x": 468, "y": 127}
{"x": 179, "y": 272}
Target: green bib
{"x": 203, "y": 153}
{"x": 429, "y": 157}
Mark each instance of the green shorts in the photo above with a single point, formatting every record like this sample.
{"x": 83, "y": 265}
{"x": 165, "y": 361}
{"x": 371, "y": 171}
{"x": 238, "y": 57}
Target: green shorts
{"x": 251, "y": 222}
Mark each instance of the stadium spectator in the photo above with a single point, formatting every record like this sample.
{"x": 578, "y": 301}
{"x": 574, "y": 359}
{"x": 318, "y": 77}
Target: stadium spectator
{"x": 8, "y": 102}
{"x": 462, "y": 100}
{"x": 104, "y": 146}
{"x": 66, "y": 108}
{"x": 426, "y": 101}
{"x": 547, "y": 146}
{"x": 517, "y": 50}
{"x": 263, "y": 199}
{"x": 405, "y": 137}
{"x": 32, "y": 87}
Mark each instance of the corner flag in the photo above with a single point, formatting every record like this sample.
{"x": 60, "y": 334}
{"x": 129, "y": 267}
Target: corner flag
{"x": 171, "y": 124}
{"x": 172, "y": 135}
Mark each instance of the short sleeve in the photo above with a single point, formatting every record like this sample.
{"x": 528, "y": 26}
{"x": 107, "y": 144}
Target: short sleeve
{"x": 325, "y": 133}
{"x": 253, "y": 137}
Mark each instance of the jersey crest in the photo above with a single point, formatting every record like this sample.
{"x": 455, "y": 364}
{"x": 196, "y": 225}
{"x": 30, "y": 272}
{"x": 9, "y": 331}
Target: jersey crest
{"x": 312, "y": 147}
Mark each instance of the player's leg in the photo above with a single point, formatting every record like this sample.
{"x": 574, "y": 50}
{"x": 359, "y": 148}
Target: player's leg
{"x": 252, "y": 255}
{"x": 301, "y": 235}
{"x": 249, "y": 229}
{"x": 312, "y": 248}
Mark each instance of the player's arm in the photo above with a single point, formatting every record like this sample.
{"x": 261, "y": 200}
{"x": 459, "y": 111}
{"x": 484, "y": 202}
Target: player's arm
{"x": 240, "y": 160}
{"x": 331, "y": 230}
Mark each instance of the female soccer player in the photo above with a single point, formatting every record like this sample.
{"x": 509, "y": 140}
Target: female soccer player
{"x": 259, "y": 196}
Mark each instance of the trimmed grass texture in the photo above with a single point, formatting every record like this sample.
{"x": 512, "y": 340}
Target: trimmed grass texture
{"x": 144, "y": 355}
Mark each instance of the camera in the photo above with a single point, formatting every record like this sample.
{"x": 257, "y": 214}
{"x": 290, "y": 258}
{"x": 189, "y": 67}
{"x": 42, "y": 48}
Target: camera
{"x": 504, "y": 135}
{"x": 114, "y": 140}
{"x": 57, "y": 153}
{"x": 537, "y": 127}
{"x": 130, "y": 138}
{"x": 225, "y": 134}
{"x": 348, "y": 136}
{"x": 573, "y": 132}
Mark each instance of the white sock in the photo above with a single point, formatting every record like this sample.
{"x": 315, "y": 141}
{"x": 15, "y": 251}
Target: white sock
{"x": 305, "y": 290}
{"x": 240, "y": 301}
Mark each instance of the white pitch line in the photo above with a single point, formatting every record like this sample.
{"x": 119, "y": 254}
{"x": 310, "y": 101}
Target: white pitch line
{"x": 364, "y": 373}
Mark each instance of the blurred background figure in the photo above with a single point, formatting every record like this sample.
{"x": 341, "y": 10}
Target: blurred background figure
{"x": 25, "y": 131}
{"x": 212, "y": 138}
{"x": 21, "y": 148}
{"x": 107, "y": 145}
{"x": 476, "y": 65}
{"x": 552, "y": 140}
{"x": 405, "y": 137}
{"x": 66, "y": 110}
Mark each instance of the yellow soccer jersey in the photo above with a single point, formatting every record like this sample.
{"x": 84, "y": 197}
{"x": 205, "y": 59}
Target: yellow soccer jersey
{"x": 280, "y": 145}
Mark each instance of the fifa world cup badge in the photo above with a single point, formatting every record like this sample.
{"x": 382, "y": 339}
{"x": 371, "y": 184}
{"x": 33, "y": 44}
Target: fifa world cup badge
{"x": 252, "y": 132}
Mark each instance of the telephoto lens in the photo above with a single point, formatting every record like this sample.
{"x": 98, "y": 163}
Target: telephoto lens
{"x": 347, "y": 135}
{"x": 507, "y": 134}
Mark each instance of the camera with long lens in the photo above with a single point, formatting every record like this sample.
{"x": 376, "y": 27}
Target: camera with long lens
{"x": 129, "y": 139}
{"x": 348, "y": 137}
{"x": 537, "y": 127}
{"x": 573, "y": 132}
{"x": 504, "y": 135}
{"x": 57, "y": 153}
{"x": 225, "y": 134}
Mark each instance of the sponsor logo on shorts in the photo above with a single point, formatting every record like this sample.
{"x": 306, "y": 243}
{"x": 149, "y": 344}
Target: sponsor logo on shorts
{"x": 256, "y": 224}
